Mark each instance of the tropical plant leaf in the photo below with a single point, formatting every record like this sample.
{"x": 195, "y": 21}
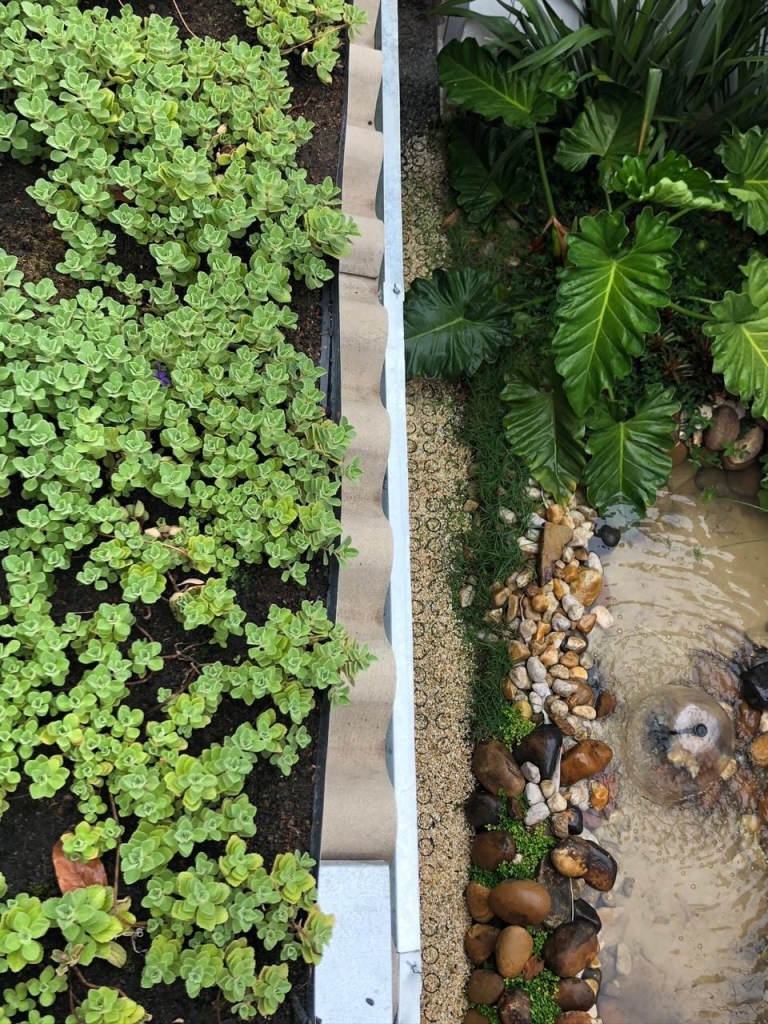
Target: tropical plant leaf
{"x": 542, "y": 428}
{"x": 629, "y": 457}
{"x": 608, "y": 128}
{"x": 746, "y": 159}
{"x": 608, "y": 297}
{"x": 485, "y": 167}
{"x": 453, "y": 321}
{"x": 671, "y": 181}
{"x": 740, "y": 333}
{"x": 490, "y": 85}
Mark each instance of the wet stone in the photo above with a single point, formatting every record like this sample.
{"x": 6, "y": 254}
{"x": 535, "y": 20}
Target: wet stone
{"x": 584, "y": 911}
{"x": 605, "y": 704}
{"x": 514, "y": 1007}
{"x": 489, "y": 849}
{"x": 541, "y": 747}
{"x": 754, "y": 686}
{"x": 574, "y": 1017}
{"x": 561, "y": 893}
{"x": 587, "y": 586}
{"x": 747, "y": 721}
{"x": 570, "y": 947}
{"x": 587, "y": 758}
{"x": 482, "y": 809}
{"x": 480, "y": 942}
{"x": 484, "y": 987}
{"x": 723, "y": 428}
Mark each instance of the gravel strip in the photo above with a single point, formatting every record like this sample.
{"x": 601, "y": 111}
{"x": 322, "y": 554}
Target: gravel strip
{"x": 442, "y": 677}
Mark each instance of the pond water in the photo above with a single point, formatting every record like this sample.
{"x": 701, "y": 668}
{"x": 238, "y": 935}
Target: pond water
{"x": 687, "y": 925}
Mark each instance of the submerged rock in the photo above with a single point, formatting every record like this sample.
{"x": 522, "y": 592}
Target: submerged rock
{"x": 570, "y": 947}
{"x": 754, "y": 684}
{"x": 587, "y": 758}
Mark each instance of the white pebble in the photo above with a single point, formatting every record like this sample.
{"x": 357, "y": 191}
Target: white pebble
{"x": 558, "y": 708}
{"x": 548, "y": 788}
{"x": 524, "y": 578}
{"x": 592, "y": 1012}
{"x": 529, "y": 546}
{"x": 584, "y": 711}
{"x": 587, "y": 660}
{"x": 536, "y": 814}
{"x": 581, "y": 536}
{"x": 593, "y": 561}
{"x": 536, "y": 702}
{"x": 533, "y": 794}
{"x": 535, "y": 493}
{"x": 519, "y": 677}
{"x": 578, "y": 795}
{"x": 533, "y": 534}
{"x": 466, "y": 596}
{"x": 576, "y": 516}
{"x": 527, "y": 630}
{"x": 764, "y": 722}
{"x": 530, "y": 772}
{"x": 604, "y": 616}
{"x": 567, "y": 555}
{"x": 557, "y": 803}
{"x": 542, "y": 689}
{"x": 536, "y": 670}
{"x": 506, "y": 515}
{"x": 573, "y": 609}
{"x": 537, "y": 520}
{"x": 563, "y": 688}
{"x": 561, "y": 623}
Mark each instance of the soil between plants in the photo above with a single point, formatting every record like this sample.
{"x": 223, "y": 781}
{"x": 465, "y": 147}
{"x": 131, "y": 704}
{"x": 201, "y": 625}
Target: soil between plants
{"x": 30, "y": 828}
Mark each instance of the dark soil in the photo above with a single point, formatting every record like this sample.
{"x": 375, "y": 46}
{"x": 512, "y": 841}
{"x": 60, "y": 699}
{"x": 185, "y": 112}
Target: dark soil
{"x": 285, "y": 806}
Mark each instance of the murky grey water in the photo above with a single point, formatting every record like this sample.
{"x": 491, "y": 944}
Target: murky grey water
{"x": 691, "y": 931}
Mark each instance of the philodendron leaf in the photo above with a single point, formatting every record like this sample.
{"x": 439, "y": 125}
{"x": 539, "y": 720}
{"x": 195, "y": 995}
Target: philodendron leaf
{"x": 543, "y": 430}
{"x": 453, "y": 321}
{"x": 629, "y": 457}
{"x": 489, "y": 84}
{"x": 671, "y": 181}
{"x": 608, "y": 298}
{"x": 608, "y": 128}
{"x": 485, "y": 167}
{"x": 746, "y": 159}
{"x": 740, "y": 333}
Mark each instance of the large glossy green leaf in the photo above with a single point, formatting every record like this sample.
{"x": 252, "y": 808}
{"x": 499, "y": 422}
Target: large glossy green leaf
{"x": 489, "y": 84}
{"x": 629, "y": 457}
{"x": 544, "y": 431}
{"x": 608, "y": 300}
{"x": 607, "y": 128}
{"x": 486, "y": 167}
{"x": 453, "y": 321}
{"x": 740, "y": 333}
{"x": 746, "y": 159}
{"x": 671, "y": 181}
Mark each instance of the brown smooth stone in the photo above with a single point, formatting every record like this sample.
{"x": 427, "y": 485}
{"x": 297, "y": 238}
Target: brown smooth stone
{"x": 570, "y": 947}
{"x": 534, "y": 965}
{"x": 574, "y": 1017}
{"x": 484, "y": 987}
{"x": 474, "y": 1017}
{"x": 679, "y": 453}
{"x": 582, "y": 696}
{"x": 745, "y": 483}
{"x": 513, "y": 948}
{"x": 605, "y": 704}
{"x": 554, "y": 537}
{"x": 571, "y": 572}
{"x": 514, "y": 1007}
{"x": 586, "y": 623}
{"x": 480, "y": 942}
{"x": 723, "y": 428}
{"x": 518, "y": 652}
{"x": 482, "y": 809}
{"x": 587, "y": 586}
{"x": 572, "y": 994}
{"x": 747, "y": 447}
{"x": 758, "y": 750}
{"x": 476, "y": 898}
{"x": 520, "y": 902}
{"x": 570, "y": 659}
{"x": 496, "y": 769}
{"x": 602, "y": 870}
{"x": 489, "y": 849}
{"x": 570, "y": 857}
{"x": 587, "y": 758}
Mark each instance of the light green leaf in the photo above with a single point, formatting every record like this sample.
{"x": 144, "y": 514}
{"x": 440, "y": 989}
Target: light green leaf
{"x": 490, "y": 85}
{"x": 608, "y": 128}
{"x": 543, "y": 430}
{"x": 740, "y": 333}
{"x": 608, "y": 299}
{"x": 671, "y": 181}
{"x": 453, "y": 322}
{"x": 746, "y": 158}
{"x": 485, "y": 167}
{"x": 629, "y": 457}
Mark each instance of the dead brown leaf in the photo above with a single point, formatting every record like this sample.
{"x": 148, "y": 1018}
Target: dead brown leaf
{"x": 76, "y": 874}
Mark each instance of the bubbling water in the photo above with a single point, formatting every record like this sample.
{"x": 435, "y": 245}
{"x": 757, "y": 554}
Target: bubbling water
{"x": 678, "y": 742}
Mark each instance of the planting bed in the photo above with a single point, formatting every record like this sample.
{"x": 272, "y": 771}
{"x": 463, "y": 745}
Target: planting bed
{"x": 192, "y": 658}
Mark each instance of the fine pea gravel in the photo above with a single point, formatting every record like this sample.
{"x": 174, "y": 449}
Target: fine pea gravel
{"x": 443, "y": 669}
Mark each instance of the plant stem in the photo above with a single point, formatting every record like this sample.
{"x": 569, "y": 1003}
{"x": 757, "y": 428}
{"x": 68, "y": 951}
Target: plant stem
{"x": 677, "y": 216}
{"x": 543, "y": 172}
{"x": 688, "y": 312}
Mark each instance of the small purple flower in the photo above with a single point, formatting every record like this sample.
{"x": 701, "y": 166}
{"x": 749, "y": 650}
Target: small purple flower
{"x": 161, "y": 373}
